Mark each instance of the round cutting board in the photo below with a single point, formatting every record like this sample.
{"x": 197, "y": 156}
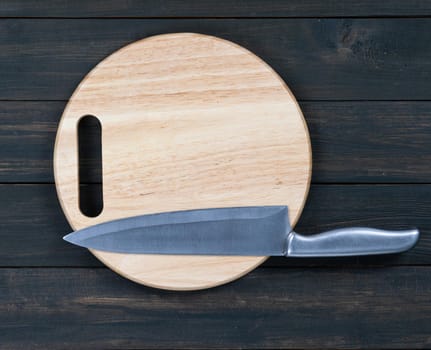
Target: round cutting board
{"x": 188, "y": 121}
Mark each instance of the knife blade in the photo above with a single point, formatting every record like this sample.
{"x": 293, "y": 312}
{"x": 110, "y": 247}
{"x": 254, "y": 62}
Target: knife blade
{"x": 243, "y": 231}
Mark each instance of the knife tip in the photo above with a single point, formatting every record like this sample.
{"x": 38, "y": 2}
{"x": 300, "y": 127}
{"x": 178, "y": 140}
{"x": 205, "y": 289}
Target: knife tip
{"x": 68, "y": 238}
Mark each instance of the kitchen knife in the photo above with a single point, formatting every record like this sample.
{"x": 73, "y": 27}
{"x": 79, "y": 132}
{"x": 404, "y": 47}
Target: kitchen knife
{"x": 245, "y": 231}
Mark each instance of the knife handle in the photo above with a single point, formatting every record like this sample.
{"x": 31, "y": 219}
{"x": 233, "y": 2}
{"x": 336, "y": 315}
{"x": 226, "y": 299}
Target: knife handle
{"x": 351, "y": 241}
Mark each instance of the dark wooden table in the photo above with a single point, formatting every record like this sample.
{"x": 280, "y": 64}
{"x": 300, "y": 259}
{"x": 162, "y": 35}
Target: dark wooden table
{"x": 361, "y": 71}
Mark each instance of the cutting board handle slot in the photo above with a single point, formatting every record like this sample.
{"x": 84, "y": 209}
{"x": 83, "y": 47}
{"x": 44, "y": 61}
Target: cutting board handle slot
{"x": 90, "y": 166}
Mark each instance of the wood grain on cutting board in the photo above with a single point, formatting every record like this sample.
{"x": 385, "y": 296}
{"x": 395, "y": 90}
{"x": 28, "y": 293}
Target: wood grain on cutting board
{"x": 188, "y": 121}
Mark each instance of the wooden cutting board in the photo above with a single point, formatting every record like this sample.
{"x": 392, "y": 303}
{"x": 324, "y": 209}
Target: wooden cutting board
{"x": 188, "y": 121}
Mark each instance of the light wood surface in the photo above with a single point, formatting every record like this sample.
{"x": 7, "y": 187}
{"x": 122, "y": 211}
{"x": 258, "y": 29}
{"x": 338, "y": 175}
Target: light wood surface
{"x": 188, "y": 121}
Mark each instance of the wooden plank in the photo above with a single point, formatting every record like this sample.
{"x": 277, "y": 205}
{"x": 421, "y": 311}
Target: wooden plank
{"x": 269, "y": 308}
{"x": 207, "y": 8}
{"x": 377, "y": 142}
{"x": 353, "y": 142}
{"x": 320, "y": 59}
{"x": 27, "y": 135}
{"x": 32, "y": 223}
